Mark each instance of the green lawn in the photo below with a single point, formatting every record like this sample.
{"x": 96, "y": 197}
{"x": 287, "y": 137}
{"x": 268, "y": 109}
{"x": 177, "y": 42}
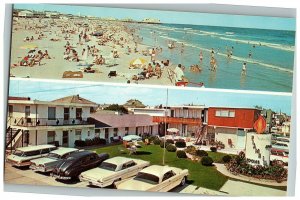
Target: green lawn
{"x": 207, "y": 177}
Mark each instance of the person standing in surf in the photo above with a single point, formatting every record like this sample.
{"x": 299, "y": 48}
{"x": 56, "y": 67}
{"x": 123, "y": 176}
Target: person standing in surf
{"x": 244, "y": 69}
{"x": 201, "y": 56}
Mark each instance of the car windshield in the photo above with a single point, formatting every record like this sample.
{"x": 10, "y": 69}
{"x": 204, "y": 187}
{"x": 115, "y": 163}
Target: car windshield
{"x": 53, "y": 155}
{"x": 145, "y": 177}
{"x": 108, "y": 166}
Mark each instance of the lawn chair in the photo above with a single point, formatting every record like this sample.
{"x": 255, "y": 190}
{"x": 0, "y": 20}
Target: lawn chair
{"x": 132, "y": 150}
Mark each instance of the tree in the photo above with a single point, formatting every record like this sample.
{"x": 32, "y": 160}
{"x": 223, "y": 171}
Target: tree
{"x": 117, "y": 107}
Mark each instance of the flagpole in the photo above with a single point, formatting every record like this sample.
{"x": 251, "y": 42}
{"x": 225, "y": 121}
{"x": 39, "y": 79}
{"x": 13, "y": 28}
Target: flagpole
{"x": 165, "y": 128}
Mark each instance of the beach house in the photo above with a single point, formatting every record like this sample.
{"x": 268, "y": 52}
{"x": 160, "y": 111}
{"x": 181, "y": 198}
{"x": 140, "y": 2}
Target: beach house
{"x": 230, "y": 125}
{"x": 61, "y": 121}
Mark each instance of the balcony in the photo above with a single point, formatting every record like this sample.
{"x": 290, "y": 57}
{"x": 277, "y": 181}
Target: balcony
{"x": 177, "y": 120}
{"x": 34, "y": 122}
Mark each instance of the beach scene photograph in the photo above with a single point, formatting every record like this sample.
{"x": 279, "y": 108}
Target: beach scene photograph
{"x": 152, "y": 47}
{"x": 68, "y": 134}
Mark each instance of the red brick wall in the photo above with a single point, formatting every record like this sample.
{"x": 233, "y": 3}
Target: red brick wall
{"x": 244, "y": 118}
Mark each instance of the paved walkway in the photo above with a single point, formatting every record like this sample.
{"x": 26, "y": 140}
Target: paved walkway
{"x": 238, "y": 188}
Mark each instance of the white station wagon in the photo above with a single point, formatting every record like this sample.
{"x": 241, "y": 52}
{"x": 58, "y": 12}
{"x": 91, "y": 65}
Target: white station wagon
{"x": 112, "y": 170}
{"x": 23, "y": 155}
{"x": 49, "y": 162}
{"x": 156, "y": 178}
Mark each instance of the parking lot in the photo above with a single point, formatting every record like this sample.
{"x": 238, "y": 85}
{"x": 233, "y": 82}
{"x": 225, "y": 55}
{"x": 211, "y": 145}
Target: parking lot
{"x": 235, "y": 188}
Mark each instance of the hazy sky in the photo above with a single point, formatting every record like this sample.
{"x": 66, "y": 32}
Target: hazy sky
{"x": 49, "y": 91}
{"x": 173, "y": 17}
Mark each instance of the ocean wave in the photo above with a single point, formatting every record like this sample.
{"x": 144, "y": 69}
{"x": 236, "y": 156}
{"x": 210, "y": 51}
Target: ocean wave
{"x": 240, "y": 59}
{"x": 258, "y": 43}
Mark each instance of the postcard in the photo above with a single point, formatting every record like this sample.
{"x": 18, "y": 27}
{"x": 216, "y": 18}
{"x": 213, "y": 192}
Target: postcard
{"x": 152, "y": 47}
{"x": 147, "y": 139}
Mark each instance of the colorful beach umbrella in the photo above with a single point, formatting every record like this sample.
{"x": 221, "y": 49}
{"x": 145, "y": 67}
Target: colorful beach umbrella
{"x": 138, "y": 62}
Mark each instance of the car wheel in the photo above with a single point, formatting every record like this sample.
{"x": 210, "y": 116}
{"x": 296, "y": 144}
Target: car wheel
{"x": 114, "y": 184}
{"x": 183, "y": 181}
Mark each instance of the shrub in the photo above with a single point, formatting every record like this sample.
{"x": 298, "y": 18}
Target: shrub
{"x": 226, "y": 158}
{"x": 181, "y": 154}
{"x": 201, "y": 153}
{"x": 79, "y": 143}
{"x": 156, "y": 141}
{"x": 170, "y": 141}
{"x": 207, "y": 161}
{"x": 152, "y": 138}
{"x": 171, "y": 148}
{"x": 213, "y": 149}
{"x": 191, "y": 150}
{"x": 180, "y": 144}
{"x": 162, "y": 145}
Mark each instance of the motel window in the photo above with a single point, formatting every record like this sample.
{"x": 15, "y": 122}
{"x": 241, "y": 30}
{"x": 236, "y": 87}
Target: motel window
{"x": 79, "y": 113}
{"x": 225, "y": 113}
{"x": 78, "y": 134}
{"x": 10, "y": 110}
{"x": 27, "y": 111}
{"x": 66, "y": 113}
{"x": 51, "y": 113}
{"x": 97, "y": 132}
{"x": 51, "y": 136}
{"x": 115, "y": 132}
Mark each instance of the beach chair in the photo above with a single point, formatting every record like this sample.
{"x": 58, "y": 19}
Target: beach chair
{"x": 170, "y": 74}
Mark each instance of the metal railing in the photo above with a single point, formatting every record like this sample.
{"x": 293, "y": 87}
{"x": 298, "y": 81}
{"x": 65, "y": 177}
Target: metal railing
{"x": 33, "y": 122}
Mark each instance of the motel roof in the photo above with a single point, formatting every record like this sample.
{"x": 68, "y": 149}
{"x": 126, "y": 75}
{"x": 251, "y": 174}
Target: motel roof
{"x": 116, "y": 120}
{"x": 74, "y": 100}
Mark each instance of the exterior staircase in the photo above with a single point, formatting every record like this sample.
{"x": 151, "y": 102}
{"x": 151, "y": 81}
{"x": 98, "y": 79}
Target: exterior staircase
{"x": 13, "y": 137}
{"x": 201, "y": 134}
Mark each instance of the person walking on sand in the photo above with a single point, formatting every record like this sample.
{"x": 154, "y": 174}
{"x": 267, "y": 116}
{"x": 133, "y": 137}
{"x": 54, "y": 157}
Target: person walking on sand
{"x": 179, "y": 74}
{"x": 244, "y": 70}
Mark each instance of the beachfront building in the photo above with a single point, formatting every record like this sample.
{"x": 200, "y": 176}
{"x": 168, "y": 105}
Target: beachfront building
{"x": 113, "y": 126}
{"x": 230, "y": 125}
{"x": 286, "y": 128}
{"x": 25, "y": 14}
{"x": 151, "y": 21}
{"x": 61, "y": 121}
{"x": 187, "y": 119}
{"x": 52, "y": 14}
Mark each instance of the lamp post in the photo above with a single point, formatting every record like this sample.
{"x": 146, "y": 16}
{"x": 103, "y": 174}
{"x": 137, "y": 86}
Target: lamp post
{"x": 165, "y": 128}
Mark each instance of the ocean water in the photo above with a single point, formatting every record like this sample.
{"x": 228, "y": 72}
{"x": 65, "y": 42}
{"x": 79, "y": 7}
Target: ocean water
{"x": 269, "y": 69}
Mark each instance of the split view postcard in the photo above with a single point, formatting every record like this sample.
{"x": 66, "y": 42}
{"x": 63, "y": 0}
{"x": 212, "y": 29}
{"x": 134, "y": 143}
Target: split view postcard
{"x": 150, "y": 100}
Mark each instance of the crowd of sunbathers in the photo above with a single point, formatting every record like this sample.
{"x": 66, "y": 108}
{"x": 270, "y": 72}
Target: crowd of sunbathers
{"x": 34, "y": 57}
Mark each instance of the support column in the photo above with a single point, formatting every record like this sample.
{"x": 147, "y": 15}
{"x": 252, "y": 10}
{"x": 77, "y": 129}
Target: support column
{"x": 22, "y": 138}
{"x": 36, "y": 137}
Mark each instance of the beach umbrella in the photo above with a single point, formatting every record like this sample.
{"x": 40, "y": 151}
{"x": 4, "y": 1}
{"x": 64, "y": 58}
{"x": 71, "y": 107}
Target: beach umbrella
{"x": 29, "y": 46}
{"x": 138, "y": 62}
{"x": 173, "y": 130}
{"x": 131, "y": 137}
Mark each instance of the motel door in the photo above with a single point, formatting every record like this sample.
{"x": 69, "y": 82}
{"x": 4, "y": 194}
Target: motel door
{"x": 184, "y": 130}
{"x": 241, "y": 139}
{"x": 65, "y": 138}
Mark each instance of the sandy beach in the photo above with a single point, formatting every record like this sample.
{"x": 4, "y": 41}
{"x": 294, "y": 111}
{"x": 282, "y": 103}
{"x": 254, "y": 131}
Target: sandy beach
{"x": 55, "y": 35}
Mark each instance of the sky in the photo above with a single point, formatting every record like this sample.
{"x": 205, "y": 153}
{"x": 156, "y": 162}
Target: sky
{"x": 98, "y": 93}
{"x": 173, "y": 17}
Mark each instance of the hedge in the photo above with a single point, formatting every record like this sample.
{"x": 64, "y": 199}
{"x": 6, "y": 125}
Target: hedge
{"x": 213, "y": 149}
{"x": 226, "y": 158}
{"x": 180, "y": 144}
{"x": 201, "y": 153}
{"x": 171, "y": 148}
{"x": 207, "y": 161}
{"x": 181, "y": 154}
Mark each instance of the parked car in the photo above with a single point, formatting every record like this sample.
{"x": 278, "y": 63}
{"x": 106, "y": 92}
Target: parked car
{"x": 113, "y": 170}
{"x": 23, "y": 155}
{"x": 77, "y": 163}
{"x": 156, "y": 178}
{"x": 49, "y": 162}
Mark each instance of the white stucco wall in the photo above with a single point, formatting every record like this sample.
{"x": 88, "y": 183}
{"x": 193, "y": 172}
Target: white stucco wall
{"x": 223, "y": 137}
{"x": 260, "y": 141}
